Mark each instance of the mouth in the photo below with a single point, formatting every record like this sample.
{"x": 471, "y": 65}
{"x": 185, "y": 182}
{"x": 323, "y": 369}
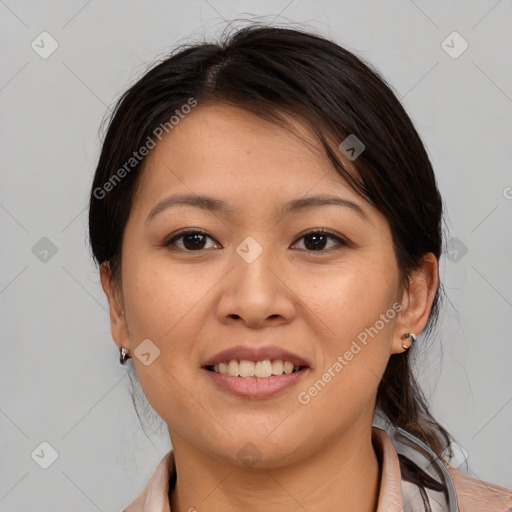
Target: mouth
{"x": 255, "y": 372}
{"x": 250, "y": 380}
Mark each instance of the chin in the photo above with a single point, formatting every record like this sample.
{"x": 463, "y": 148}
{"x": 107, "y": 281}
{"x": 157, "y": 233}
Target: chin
{"x": 264, "y": 452}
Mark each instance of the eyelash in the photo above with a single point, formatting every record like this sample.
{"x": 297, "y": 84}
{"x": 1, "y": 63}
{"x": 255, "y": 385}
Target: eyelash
{"x": 322, "y": 231}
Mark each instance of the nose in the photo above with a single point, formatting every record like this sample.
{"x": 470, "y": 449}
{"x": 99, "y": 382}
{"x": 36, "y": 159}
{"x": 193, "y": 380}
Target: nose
{"x": 256, "y": 292}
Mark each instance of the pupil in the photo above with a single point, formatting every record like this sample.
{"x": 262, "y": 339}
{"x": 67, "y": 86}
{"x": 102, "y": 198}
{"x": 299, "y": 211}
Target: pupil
{"x": 316, "y": 237}
{"x": 198, "y": 237}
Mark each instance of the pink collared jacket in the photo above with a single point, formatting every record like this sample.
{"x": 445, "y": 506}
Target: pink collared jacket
{"x": 413, "y": 480}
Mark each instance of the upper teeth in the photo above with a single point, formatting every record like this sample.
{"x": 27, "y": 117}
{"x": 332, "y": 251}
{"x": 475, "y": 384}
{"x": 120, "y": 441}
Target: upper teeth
{"x": 265, "y": 368}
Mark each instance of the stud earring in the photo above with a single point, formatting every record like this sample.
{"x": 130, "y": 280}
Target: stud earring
{"x": 408, "y": 335}
{"x": 124, "y": 354}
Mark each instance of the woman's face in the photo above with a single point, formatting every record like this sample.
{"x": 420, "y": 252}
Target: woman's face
{"x": 255, "y": 279}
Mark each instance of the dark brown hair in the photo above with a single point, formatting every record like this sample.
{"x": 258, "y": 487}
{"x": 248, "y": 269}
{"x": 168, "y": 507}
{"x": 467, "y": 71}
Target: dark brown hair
{"x": 273, "y": 72}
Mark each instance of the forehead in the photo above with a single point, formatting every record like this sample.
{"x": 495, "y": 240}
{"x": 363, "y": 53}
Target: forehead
{"x": 219, "y": 146}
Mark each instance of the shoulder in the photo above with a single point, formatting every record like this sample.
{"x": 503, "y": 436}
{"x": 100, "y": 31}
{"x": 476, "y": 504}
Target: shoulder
{"x": 475, "y": 495}
{"x": 154, "y": 497}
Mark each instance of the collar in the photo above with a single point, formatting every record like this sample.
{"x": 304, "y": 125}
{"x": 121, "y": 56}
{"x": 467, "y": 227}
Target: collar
{"x": 413, "y": 479}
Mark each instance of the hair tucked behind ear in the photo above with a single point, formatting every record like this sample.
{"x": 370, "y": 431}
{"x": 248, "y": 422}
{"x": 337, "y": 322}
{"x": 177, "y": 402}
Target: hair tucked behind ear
{"x": 277, "y": 72}
{"x": 400, "y": 397}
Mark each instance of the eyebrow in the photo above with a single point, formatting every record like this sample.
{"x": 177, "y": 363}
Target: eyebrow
{"x": 218, "y": 205}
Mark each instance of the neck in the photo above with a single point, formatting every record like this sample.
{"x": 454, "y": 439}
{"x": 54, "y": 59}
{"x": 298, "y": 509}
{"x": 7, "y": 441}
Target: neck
{"x": 343, "y": 476}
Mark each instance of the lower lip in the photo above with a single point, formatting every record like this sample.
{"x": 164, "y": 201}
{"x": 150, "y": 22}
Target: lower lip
{"x": 255, "y": 387}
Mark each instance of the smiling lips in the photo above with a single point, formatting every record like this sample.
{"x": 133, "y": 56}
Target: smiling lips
{"x": 255, "y": 372}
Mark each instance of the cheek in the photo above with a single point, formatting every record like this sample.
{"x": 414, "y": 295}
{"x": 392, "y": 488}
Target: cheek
{"x": 173, "y": 397}
{"x": 164, "y": 307}
{"x": 161, "y": 309}
{"x": 163, "y": 303}
{"x": 356, "y": 310}
{"x": 354, "y": 363}
{"x": 349, "y": 298}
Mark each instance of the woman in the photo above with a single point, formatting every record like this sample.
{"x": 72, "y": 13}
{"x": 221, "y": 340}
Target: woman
{"x": 268, "y": 226}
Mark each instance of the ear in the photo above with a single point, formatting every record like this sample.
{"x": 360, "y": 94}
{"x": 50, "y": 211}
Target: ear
{"x": 118, "y": 324}
{"x": 416, "y": 302}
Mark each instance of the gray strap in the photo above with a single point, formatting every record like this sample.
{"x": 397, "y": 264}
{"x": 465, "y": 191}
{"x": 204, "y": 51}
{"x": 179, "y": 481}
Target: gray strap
{"x": 415, "y": 496}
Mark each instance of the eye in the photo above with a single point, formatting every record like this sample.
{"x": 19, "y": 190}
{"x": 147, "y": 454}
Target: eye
{"x": 315, "y": 240}
{"x": 193, "y": 240}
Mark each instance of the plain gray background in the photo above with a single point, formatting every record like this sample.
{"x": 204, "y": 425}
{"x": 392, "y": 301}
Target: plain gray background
{"x": 60, "y": 377}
